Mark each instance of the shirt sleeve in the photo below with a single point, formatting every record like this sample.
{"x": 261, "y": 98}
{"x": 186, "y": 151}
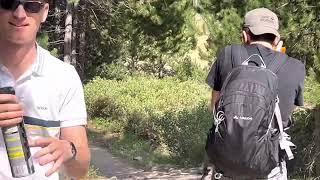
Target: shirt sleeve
{"x": 299, "y": 91}
{"x": 214, "y": 76}
{"x": 73, "y": 110}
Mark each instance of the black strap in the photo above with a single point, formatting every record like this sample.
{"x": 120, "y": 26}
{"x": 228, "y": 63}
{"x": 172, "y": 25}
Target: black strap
{"x": 276, "y": 64}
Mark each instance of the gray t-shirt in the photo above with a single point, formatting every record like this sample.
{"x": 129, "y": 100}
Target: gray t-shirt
{"x": 291, "y": 77}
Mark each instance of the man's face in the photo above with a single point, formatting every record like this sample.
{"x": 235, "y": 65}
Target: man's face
{"x": 19, "y": 22}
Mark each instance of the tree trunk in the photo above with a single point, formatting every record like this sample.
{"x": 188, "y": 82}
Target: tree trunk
{"x": 81, "y": 25}
{"x": 74, "y": 37}
{"x": 68, "y": 34}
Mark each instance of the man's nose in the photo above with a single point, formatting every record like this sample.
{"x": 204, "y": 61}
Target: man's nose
{"x": 19, "y": 12}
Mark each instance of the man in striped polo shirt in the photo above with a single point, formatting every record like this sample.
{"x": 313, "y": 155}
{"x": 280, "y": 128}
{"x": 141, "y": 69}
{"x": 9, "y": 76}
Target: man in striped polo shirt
{"x": 49, "y": 96}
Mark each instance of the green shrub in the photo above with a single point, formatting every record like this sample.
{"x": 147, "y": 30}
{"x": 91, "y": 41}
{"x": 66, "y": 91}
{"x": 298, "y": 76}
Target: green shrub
{"x": 306, "y": 161}
{"x": 184, "y": 132}
{"x": 115, "y": 71}
{"x": 312, "y": 91}
{"x": 185, "y": 69}
{"x": 170, "y": 112}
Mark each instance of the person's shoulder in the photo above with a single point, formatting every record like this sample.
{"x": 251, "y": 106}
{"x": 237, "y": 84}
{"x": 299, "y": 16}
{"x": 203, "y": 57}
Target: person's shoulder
{"x": 290, "y": 61}
{"x": 230, "y": 50}
{"x": 293, "y": 62}
{"x": 294, "y": 66}
{"x": 233, "y": 47}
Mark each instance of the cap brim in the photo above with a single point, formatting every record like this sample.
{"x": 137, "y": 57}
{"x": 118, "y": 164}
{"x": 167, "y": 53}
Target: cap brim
{"x": 258, "y": 30}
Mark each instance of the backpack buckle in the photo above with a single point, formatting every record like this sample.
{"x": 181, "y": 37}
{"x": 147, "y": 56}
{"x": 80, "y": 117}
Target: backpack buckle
{"x": 218, "y": 176}
{"x": 218, "y": 118}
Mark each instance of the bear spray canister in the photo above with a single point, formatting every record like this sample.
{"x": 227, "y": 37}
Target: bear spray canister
{"x": 15, "y": 137}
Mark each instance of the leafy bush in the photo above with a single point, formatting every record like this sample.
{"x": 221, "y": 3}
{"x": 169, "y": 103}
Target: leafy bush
{"x": 306, "y": 162}
{"x": 112, "y": 71}
{"x": 184, "y": 132}
{"x": 312, "y": 89}
{"x": 185, "y": 69}
{"x": 169, "y": 112}
{"x": 304, "y": 133}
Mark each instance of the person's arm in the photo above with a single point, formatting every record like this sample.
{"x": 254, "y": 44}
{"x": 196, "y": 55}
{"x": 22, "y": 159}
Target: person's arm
{"x": 301, "y": 74}
{"x": 59, "y": 151}
{"x": 73, "y": 118}
{"x": 79, "y": 166}
{"x": 214, "y": 79}
{"x": 214, "y": 98}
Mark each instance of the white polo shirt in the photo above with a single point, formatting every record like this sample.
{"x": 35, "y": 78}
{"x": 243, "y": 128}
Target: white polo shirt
{"x": 52, "y": 95}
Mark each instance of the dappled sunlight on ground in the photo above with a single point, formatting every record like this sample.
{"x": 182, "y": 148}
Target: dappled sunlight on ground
{"x": 115, "y": 168}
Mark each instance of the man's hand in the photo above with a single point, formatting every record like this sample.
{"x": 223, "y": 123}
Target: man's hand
{"x": 10, "y": 110}
{"x": 53, "y": 150}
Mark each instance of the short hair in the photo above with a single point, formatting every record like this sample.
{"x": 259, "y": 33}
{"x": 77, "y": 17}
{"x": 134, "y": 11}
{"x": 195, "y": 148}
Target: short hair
{"x": 268, "y": 37}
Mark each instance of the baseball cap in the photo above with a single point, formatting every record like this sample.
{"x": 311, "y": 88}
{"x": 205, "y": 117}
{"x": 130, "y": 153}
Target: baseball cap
{"x": 262, "y": 21}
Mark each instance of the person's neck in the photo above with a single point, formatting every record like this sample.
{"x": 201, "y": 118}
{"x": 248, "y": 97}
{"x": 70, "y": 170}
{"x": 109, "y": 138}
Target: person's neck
{"x": 17, "y": 58}
{"x": 263, "y": 43}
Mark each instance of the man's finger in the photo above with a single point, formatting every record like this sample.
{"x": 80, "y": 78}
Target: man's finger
{"x": 44, "y": 159}
{"x": 42, "y": 142}
{"x": 55, "y": 167}
{"x": 10, "y": 122}
{"x": 7, "y": 98}
{"x": 10, "y": 115}
{"x": 48, "y": 158}
{"x": 10, "y": 107}
{"x": 46, "y": 150}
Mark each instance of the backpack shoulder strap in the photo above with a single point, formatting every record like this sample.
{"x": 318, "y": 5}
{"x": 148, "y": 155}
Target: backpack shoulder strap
{"x": 284, "y": 139}
{"x": 278, "y": 61}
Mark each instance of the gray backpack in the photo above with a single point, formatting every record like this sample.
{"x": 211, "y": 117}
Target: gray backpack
{"x": 247, "y": 132}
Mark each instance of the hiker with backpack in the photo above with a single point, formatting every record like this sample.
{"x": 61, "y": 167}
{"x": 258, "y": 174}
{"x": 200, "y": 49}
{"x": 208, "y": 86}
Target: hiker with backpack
{"x": 255, "y": 88}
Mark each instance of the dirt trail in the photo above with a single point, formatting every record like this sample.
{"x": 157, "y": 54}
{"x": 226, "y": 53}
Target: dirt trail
{"x": 115, "y": 168}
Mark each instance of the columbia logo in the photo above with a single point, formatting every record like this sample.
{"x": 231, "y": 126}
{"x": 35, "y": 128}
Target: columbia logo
{"x": 242, "y": 118}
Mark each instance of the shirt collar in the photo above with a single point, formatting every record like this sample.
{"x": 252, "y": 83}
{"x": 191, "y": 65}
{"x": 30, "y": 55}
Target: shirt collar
{"x": 37, "y": 67}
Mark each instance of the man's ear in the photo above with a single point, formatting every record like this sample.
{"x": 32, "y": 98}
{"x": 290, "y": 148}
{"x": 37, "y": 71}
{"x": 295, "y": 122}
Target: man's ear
{"x": 245, "y": 37}
{"x": 45, "y": 12}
